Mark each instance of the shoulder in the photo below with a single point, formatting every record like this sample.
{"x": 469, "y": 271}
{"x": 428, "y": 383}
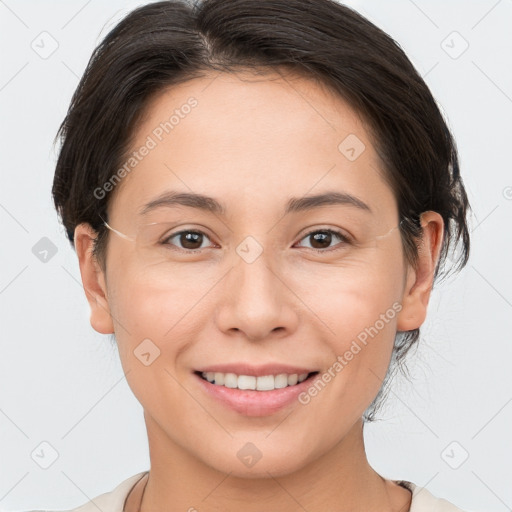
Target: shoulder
{"x": 112, "y": 501}
{"x": 424, "y": 501}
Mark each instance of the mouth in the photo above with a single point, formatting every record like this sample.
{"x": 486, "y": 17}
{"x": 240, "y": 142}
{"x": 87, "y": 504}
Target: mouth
{"x": 255, "y": 395}
{"x": 253, "y": 382}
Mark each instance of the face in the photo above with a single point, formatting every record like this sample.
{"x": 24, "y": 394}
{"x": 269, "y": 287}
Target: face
{"x": 268, "y": 283}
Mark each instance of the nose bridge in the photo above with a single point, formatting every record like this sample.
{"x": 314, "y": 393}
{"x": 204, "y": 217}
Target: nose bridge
{"x": 256, "y": 276}
{"x": 255, "y": 301}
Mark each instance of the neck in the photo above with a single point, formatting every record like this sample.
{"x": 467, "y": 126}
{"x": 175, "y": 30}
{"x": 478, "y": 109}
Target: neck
{"x": 340, "y": 480}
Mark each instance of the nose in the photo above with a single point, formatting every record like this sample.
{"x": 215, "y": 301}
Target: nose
{"x": 256, "y": 301}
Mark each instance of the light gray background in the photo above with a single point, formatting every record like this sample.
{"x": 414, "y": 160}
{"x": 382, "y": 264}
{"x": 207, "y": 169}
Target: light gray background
{"x": 61, "y": 382}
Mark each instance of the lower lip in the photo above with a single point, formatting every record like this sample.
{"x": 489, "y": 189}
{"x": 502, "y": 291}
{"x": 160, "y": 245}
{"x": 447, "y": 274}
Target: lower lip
{"x": 256, "y": 403}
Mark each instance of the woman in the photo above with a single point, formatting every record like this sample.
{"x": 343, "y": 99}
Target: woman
{"x": 261, "y": 195}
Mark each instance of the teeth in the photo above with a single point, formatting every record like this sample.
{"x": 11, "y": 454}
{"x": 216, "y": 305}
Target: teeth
{"x": 293, "y": 379}
{"x": 246, "y": 382}
{"x": 263, "y": 383}
{"x": 280, "y": 381}
{"x": 230, "y": 380}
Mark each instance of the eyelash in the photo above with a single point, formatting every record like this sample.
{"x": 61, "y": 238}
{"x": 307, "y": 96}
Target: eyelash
{"x": 344, "y": 240}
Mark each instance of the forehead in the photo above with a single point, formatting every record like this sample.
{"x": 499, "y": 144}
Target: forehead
{"x": 260, "y": 136}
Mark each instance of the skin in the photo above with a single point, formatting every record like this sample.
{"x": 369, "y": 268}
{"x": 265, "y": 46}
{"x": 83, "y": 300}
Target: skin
{"x": 253, "y": 142}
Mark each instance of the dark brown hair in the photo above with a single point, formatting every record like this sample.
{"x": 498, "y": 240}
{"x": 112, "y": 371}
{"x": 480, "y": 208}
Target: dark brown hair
{"x": 166, "y": 43}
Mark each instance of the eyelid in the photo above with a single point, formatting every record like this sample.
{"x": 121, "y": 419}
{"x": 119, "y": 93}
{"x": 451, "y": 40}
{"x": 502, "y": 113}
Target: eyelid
{"x": 338, "y": 231}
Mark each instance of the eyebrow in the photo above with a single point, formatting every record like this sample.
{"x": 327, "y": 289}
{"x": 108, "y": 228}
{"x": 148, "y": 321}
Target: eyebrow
{"x": 293, "y": 205}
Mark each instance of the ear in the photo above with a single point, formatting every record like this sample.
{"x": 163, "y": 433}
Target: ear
{"x": 419, "y": 280}
{"x": 93, "y": 280}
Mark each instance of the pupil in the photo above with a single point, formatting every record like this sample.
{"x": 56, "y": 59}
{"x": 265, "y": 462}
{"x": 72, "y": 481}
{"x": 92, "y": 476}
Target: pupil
{"x": 322, "y": 238}
{"x": 190, "y": 238}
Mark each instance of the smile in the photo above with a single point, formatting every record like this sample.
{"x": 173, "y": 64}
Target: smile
{"x": 255, "y": 395}
{"x": 257, "y": 383}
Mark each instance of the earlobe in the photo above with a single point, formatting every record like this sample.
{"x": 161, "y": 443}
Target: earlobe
{"x": 419, "y": 280}
{"x": 93, "y": 280}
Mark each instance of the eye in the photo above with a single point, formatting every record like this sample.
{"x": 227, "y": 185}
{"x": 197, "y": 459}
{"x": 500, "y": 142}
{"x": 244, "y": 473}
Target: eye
{"x": 190, "y": 239}
{"x": 322, "y": 238}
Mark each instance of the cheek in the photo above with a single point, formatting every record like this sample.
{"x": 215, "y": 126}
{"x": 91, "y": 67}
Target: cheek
{"x": 356, "y": 305}
{"x": 157, "y": 298}
{"x": 161, "y": 311}
{"x": 362, "y": 318}
{"x": 151, "y": 331}
{"x": 352, "y": 294}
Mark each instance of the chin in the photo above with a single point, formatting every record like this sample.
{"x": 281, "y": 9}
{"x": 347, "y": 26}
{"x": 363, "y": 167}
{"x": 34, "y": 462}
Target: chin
{"x": 251, "y": 463}
{"x": 261, "y": 470}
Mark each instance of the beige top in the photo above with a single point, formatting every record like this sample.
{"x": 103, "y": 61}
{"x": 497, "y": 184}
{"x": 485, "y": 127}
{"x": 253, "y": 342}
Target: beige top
{"x": 127, "y": 495}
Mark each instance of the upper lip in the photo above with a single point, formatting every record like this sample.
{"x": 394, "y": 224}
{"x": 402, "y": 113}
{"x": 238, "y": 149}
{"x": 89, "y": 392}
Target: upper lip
{"x": 257, "y": 371}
